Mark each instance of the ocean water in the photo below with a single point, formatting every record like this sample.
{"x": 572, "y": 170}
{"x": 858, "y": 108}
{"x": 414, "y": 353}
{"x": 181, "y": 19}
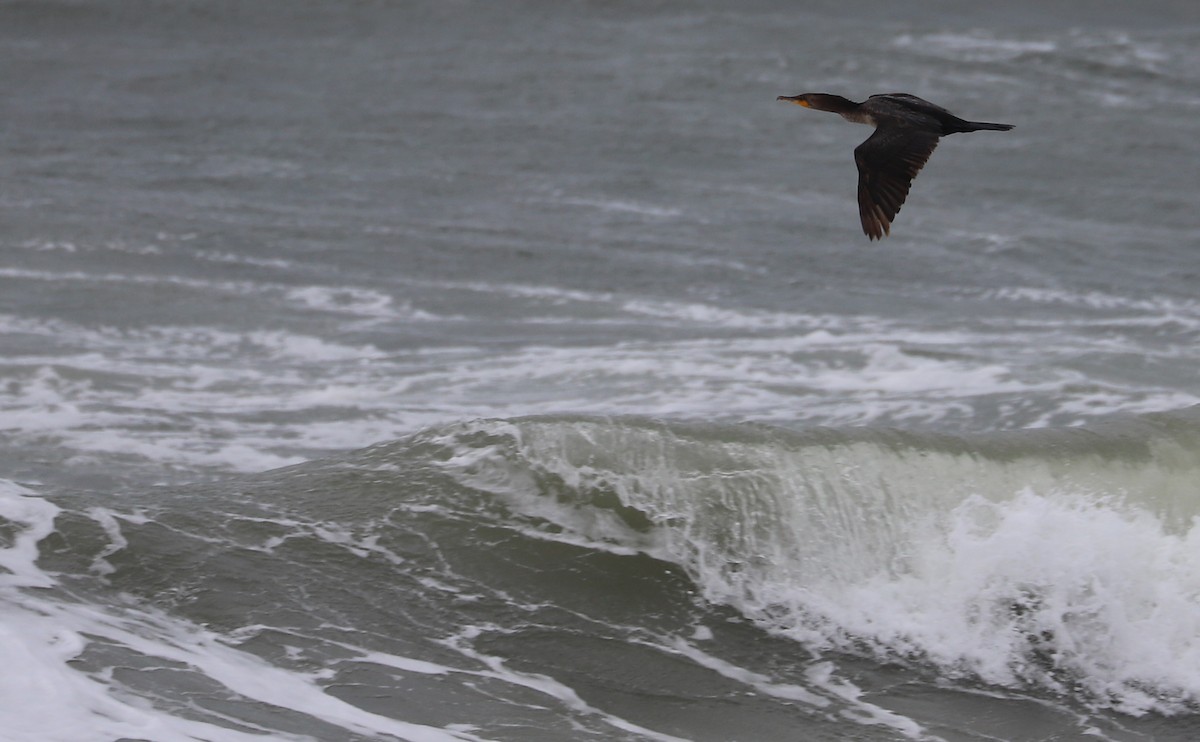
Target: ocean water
{"x": 451, "y": 370}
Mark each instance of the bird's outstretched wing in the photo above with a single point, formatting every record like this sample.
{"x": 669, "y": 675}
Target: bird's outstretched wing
{"x": 887, "y": 163}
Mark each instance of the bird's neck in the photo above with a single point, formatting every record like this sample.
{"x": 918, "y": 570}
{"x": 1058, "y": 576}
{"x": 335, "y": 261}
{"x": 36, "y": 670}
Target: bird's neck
{"x": 844, "y": 107}
{"x": 832, "y": 103}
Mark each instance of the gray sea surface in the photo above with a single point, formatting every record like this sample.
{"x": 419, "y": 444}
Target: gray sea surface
{"x": 604, "y": 419}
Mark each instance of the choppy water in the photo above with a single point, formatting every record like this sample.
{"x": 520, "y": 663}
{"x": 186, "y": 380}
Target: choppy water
{"x": 616, "y": 427}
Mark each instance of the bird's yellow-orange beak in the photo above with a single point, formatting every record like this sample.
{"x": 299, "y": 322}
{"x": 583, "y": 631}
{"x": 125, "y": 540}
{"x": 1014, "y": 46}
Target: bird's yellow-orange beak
{"x": 797, "y": 99}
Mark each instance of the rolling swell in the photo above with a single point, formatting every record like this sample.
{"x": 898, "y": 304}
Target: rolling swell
{"x": 506, "y": 565}
{"x": 1051, "y": 559}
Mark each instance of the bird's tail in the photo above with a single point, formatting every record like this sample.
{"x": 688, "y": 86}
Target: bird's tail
{"x": 984, "y": 126}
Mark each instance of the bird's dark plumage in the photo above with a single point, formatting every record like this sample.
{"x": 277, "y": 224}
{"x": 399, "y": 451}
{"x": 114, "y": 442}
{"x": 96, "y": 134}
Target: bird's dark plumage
{"x": 907, "y": 129}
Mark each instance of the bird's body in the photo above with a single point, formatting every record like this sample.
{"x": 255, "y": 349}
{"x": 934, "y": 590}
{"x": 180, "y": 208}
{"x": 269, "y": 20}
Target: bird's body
{"x": 907, "y": 129}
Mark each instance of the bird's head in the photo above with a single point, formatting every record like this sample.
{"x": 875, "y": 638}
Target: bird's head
{"x": 800, "y": 100}
{"x": 821, "y": 102}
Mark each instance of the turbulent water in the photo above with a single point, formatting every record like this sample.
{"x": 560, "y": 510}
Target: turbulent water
{"x": 451, "y": 370}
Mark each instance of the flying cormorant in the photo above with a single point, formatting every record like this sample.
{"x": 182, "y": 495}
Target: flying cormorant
{"x": 907, "y": 129}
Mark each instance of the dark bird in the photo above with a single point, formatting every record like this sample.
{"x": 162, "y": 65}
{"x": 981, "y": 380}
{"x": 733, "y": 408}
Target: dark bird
{"x": 907, "y": 129}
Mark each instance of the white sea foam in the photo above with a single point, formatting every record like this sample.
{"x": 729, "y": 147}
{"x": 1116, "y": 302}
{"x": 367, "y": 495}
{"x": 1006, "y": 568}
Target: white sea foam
{"x": 355, "y": 301}
{"x": 622, "y": 206}
{"x": 338, "y": 300}
{"x": 136, "y": 279}
{"x": 34, "y": 519}
{"x": 238, "y": 259}
{"x": 978, "y": 46}
{"x": 48, "y": 699}
{"x": 1151, "y": 305}
{"x": 1065, "y": 592}
{"x": 207, "y": 397}
{"x": 758, "y": 681}
{"x": 1126, "y": 60}
{"x": 545, "y": 686}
